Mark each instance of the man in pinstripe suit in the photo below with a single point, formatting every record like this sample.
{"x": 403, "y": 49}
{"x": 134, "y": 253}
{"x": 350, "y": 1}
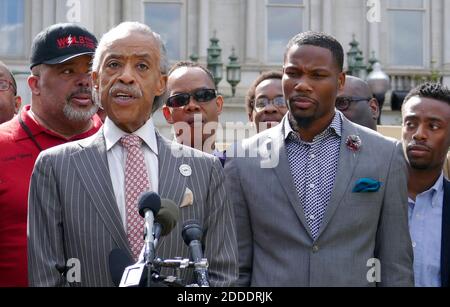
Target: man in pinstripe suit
{"x": 77, "y": 193}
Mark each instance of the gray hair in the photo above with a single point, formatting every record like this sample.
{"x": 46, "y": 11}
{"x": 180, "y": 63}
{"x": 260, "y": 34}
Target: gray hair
{"x": 125, "y": 28}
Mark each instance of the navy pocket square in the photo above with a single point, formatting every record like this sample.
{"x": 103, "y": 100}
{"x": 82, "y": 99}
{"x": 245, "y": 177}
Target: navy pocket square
{"x": 365, "y": 185}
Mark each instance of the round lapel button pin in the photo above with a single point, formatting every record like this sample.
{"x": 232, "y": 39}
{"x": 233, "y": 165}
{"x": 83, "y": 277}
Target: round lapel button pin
{"x": 185, "y": 170}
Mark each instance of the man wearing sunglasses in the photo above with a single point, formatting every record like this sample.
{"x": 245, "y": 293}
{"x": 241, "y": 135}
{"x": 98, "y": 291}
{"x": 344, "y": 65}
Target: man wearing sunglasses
{"x": 193, "y": 106}
{"x": 9, "y": 101}
{"x": 357, "y": 103}
{"x": 264, "y": 102}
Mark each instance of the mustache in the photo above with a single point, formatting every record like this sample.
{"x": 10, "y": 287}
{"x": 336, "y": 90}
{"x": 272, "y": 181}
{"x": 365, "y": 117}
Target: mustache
{"x": 83, "y": 90}
{"x": 418, "y": 144}
{"x": 129, "y": 89}
{"x": 301, "y": 96}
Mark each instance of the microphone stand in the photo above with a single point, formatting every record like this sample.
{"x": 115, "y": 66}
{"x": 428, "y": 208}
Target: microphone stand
{"x": 149, "y": 253}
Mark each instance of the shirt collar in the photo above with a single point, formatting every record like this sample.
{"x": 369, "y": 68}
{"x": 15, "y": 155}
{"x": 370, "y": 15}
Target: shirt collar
{"x": 147, "y": 133}
{"x": 435, "y": 190}
{"x": 335, "y": 126}
{"x": 36, "y": 128}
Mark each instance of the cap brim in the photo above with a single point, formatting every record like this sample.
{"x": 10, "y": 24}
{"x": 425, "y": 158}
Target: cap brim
{"x": 66, "y": 58}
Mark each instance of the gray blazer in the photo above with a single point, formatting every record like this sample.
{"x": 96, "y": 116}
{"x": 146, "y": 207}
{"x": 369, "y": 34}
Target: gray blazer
{"x": 73, "y": 212}
{"x": 274, "y": 241}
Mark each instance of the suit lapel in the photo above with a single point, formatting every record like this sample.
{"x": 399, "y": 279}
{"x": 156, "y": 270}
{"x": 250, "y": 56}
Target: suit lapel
{"x": 91, "y": 165}
{"x": 172, "y": 184}
{"x": 283, "y": 173}
{"x": 445, "y": 241}
{"x": 344, "y": 173}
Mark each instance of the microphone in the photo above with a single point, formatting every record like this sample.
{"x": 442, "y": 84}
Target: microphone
{"x": 149, "y": 205}
{"x": 119, "y": 260}
{"x": 192, "y": 234}
{"x": 166, "y": 219}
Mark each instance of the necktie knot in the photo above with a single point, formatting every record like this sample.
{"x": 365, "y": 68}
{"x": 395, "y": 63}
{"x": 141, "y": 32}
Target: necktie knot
{"x": 131, "y": 140}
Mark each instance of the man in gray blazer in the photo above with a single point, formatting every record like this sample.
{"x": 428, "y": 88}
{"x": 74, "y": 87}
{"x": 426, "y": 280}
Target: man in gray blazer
{"x": 79, "y": 193}
{"x": 319, "y": 201}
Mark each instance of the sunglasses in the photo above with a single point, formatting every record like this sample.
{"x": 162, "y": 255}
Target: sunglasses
{"x": 343, "y": 103}
{"x": 263, "y": 102}
{"x": 6, "y": 85}
{"x": 182, "y": 99}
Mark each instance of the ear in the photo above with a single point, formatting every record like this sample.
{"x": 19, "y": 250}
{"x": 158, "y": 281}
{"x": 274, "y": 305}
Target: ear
{"x": 219, "y": 103}
{"x": 161, "y": 86}
{"x": 374, "y": 108}
{"x": 95, "y": 80}
{"x": 341, "y": 81}
{"x": 33, "y": 84}
{"x": 167, "y": 115}
{"x": 17, "y": 104}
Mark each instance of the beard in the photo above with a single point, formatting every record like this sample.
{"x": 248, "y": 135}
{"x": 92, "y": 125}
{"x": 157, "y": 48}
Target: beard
{"x": 73, "y": 114}
{"x": 79, "y": 115}
{"x": 300, "y": 122}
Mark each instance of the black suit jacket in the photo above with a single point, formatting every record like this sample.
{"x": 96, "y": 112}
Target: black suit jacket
{"x": 445, "y": 245}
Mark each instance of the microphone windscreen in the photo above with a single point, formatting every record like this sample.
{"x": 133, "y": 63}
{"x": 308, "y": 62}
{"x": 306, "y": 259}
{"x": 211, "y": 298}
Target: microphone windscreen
{"x": 118, "y": 261}
{"x": 149, "y": 201}
{"x": 168, "y": 216}
{"x": 191, "y": 231}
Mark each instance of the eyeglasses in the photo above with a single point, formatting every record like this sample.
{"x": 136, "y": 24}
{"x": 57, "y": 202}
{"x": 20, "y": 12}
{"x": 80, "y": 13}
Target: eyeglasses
{"x": 263, "y": 102}
{"x": 182, "y": 99}
{"x": 344, "y": 102}
{"x": 6, "y": 85}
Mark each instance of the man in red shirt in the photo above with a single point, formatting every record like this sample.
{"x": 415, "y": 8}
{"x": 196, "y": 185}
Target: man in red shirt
{"x": 61, "y": 110}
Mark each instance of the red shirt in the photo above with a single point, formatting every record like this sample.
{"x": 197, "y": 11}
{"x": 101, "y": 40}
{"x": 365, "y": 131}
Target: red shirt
{"x": 17, "y": 156}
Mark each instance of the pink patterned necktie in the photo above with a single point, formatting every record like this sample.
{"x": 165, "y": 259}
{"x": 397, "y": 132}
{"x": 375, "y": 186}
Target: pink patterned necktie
{"x": 136, "y": 183}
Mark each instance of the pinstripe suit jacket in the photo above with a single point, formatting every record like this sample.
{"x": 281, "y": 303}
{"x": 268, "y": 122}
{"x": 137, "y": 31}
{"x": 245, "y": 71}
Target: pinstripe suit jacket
{"x": 73, "y": 212}
{"x": 275, "y": 244}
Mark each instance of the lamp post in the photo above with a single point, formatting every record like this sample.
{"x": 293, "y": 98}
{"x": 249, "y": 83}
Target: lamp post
{"x": 214, "y": 60}
{"x": 379, "y": 83}
{"x": 351, "y": 56}
{"x": 233, "y": 72}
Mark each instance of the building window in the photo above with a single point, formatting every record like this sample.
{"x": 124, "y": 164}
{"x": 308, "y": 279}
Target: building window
{"x": 407, "y": 33}
{"x": 12, "y": 28}
{"x": 285, "y": 18}
{"x": 166, "y": 19}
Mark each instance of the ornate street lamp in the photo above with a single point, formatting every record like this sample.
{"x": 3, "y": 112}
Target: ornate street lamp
{"x": 194, "y": 57}
{"x": 233, "y": 72}
{"x": 360, "y": 68}
{"x": 214, "y": 60}
{"x": 379, "y": 83}
{"x": 351, "y": 56}
{"x": 371, "y": 61}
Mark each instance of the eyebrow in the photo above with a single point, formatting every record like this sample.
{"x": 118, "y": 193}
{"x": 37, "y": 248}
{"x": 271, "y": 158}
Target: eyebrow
{"x": 121, "y": 55}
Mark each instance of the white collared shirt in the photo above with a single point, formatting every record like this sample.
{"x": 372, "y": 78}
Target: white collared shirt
{"x": 117, "y": 156}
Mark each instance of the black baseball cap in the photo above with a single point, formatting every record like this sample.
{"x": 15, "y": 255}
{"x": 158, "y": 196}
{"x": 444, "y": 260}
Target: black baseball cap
{"x": 60, "y": 43}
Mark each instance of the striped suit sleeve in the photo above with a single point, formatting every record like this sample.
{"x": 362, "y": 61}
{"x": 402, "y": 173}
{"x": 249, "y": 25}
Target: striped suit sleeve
{"x": 45, "y": 233}
{"x": 220, "y": 240}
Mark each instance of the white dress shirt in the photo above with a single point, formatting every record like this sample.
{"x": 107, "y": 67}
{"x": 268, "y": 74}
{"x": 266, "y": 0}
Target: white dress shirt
{"x": 117, "y": 156}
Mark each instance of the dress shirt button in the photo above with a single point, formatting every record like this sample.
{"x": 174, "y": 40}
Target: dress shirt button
{"x": 312, "y": 217}
{"x": 312, "y": 186}
{"x": 414, "y": 244}
{"x": 315, "y": 248}
{"x": 312, "y": 156}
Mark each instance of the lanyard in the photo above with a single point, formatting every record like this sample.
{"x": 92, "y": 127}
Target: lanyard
{"x": 28, "y": 132}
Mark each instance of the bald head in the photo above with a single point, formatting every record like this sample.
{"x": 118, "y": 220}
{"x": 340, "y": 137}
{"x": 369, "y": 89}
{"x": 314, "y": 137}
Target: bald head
{"x": 356, "y": 101}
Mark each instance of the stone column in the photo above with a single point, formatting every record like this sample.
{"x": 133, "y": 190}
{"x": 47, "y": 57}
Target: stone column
{"x": 251, "y": 52}
{"x": 203, "y": 28}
